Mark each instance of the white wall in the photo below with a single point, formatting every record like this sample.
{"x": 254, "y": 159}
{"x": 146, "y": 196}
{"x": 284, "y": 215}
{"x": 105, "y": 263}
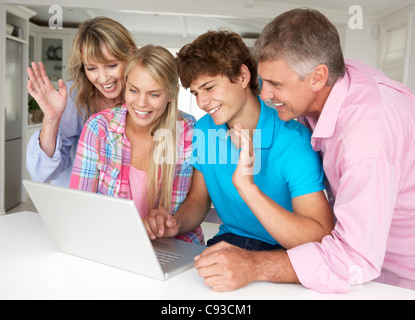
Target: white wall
{"x": 360, "y": 43}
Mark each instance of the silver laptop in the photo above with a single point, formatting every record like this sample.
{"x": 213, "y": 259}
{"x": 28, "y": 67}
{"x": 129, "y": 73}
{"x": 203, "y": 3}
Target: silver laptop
{"x": 108, "y": 230}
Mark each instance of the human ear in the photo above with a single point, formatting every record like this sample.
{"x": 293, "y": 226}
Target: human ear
{"x": 245, "y": 75}
{"x": 319, "y": 77}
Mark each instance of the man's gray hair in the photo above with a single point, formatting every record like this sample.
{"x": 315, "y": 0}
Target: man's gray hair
{"x": 305, "y": 38}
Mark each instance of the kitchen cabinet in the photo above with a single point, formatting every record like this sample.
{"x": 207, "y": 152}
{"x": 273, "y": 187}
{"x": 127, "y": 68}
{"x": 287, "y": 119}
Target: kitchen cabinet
{"x": 53, "y": 48}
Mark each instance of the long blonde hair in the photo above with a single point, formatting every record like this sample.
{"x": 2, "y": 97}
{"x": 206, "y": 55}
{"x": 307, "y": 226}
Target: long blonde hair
{"x": 92, "y": 34}
{"x": 161, "y": 65}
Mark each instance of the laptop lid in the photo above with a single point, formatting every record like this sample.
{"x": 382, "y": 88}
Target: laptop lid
{"x": 105, "y": 229}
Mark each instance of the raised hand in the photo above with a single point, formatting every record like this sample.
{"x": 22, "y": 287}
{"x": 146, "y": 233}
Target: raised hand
{"x": 51, "y": 101}
{"x": 243, "y": 175}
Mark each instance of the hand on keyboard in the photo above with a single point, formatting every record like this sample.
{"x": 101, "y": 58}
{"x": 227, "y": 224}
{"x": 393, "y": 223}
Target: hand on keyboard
{"x": 161, "y": 224}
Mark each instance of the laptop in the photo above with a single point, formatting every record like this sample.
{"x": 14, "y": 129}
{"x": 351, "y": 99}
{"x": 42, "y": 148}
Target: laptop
{"x": 108, "y": 230}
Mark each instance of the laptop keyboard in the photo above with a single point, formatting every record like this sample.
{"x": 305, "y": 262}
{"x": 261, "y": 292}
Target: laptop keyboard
{"x": 165, "y": 257}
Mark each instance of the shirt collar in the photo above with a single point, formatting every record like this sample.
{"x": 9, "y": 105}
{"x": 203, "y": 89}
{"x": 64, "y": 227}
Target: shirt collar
{"x": 326, "y": 123}
{"x": 266, "y": 124}
{"x": 119, "y": 118}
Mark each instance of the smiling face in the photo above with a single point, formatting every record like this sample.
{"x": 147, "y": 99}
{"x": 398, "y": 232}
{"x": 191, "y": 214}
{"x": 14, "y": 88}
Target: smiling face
{"x": 222, "y": 99}
{"x": 108, "y": 76}
{"x": 146, "y": 99}
{"x": 291, "y": 96}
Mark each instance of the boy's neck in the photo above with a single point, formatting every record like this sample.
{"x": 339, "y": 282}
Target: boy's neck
{"x": 248, "y": 117}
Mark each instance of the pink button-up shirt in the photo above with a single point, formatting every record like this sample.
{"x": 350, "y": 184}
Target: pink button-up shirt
{"x": 366, "y": 136}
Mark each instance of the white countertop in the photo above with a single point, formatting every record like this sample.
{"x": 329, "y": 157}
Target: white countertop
{"x": 32, "y": 268}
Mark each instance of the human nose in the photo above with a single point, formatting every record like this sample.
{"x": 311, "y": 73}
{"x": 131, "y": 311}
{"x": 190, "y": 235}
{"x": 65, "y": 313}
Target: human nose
{"x": 141, "y": 100}
{"x": 266, "y": 93}
{"x": 203, "y": 101}
{"x": 103, "y": 76}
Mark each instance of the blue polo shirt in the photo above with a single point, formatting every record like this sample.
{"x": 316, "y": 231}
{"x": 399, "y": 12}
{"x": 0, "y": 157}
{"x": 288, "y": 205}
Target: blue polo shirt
{"x": 286, "y": 167}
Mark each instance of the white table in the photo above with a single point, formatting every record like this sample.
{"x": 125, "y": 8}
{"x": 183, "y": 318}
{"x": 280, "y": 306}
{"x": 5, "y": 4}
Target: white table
{"x": 32, "y": 268}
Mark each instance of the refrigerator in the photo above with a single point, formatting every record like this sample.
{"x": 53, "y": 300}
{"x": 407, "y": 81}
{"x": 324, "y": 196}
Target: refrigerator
{"x": 13, "y": 127}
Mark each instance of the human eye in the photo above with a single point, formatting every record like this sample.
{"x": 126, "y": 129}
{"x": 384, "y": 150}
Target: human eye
{"x": 157, "y": 94}
{"x": 132, "y": 90}
{"x": 272, "y": 83}
{"x": 113, "y": 65}
{"x": 88, "y": 68}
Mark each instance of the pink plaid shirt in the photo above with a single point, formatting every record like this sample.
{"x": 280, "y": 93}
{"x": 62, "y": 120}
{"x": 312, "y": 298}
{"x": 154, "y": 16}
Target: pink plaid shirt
{"x": 103, "y": 157}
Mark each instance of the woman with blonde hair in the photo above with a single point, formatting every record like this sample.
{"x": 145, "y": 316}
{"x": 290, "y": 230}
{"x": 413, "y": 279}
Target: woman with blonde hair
{"x": 100, "y": 52}
{"x": 141, "y": 150}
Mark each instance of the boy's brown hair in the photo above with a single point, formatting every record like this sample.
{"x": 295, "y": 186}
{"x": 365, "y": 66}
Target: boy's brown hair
{"x": 216, "y": 52}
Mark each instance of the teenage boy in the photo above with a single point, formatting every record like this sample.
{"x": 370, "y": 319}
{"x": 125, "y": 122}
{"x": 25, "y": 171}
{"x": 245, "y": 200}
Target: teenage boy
{"x": 276, "y": 204}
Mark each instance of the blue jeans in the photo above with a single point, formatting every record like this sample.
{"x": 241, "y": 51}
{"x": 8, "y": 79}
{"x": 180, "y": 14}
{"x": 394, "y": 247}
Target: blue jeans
{"x": 244, "y": 242}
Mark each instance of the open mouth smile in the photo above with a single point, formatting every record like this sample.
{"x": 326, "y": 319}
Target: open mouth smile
{"x": 213, "y": 111}
{"x": 279, "y": 106}
{"x": 142, "y": 114}
{"x": 109, "y": 87}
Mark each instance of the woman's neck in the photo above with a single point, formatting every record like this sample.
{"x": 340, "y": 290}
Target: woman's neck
{"x": 135, "y": 130}
{"x": 141, "y": 143}
{"x": 102, "y": 103}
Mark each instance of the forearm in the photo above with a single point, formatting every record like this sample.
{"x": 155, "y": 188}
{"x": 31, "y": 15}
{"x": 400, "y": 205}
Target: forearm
{"x": 287, "y": 228}
{"x": 48, "y": 136}
{"x": 273, "y": 266}
{"x": 356, "y": 252}
{"x": 43, "y": 168}
{"x": 226, "y": 267}
{"x": 192, "y": 213}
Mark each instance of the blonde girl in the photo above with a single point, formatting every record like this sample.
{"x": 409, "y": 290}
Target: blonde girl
{"x": 141, "y": 150}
